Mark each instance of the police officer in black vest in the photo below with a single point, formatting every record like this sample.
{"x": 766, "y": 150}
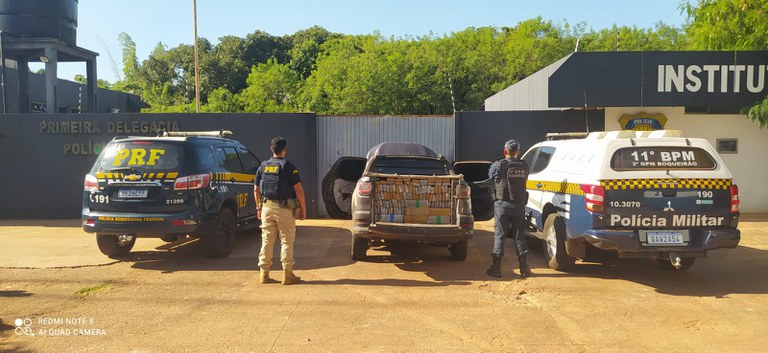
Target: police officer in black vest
{"x": 509, "y": 176}
{"x": 280, "y": 200}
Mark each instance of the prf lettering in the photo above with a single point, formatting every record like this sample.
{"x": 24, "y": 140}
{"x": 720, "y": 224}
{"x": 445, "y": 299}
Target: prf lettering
{"x": 137, "y": 156}
{"x": 242, "y": 200}
{"x": 270, "y": 169}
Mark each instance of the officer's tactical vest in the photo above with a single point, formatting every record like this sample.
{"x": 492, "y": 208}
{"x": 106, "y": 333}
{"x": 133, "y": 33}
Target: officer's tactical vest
{"x": 270, "y": 179}
{"x": 511, "y": 184}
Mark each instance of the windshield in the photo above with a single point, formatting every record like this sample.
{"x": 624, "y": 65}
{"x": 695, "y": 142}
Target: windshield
{"x": 410, "y": 166}
{"x": 138, "y": 156}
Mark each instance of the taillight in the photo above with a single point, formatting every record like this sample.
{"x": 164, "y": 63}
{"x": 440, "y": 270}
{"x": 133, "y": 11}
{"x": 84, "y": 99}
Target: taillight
{"x": 91, "y": 183}
{"x": 192, "y": 182}
{"x": 364, "y": 186}
{"x": 89, "y": 223}
{"x": 735, "y": 199}
{"x": 594, "y": 196}
{"x": 183, "y": 222}
{"x": 463, "y": 191}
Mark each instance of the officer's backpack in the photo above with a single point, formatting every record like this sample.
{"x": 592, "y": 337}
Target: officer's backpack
{"x": 511, "y": 187}
{"x": 270, "y": 179}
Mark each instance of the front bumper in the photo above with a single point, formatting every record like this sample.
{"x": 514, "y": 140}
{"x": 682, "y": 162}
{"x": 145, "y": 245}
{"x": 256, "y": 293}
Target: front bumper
{"x": 627, "y": 243}
{"x": 148, "y": 225}
{"x": 449, "y": 233}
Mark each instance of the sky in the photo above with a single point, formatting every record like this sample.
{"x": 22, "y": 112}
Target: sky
{"x": 170, "y": 21}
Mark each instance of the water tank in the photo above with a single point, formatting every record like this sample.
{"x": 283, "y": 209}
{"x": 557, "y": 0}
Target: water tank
{"x": 40, "y": 18}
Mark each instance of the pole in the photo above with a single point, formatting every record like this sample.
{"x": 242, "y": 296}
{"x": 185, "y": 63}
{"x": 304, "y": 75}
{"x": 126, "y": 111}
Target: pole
{"x": 197, "y": 64}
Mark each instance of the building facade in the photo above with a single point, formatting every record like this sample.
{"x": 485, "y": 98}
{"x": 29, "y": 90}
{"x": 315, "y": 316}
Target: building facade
{"x": 701, "y": 93}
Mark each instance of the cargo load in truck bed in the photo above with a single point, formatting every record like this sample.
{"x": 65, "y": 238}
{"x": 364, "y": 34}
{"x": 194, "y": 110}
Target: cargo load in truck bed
{"x": 415, "y": 199}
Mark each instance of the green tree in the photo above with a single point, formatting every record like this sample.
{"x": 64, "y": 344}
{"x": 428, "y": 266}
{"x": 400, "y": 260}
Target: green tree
{"x": 271, "y": 88}
{"x": 99, "y": 82}
{"x": 222, "y": 100}
{"x": 730, "y": 25}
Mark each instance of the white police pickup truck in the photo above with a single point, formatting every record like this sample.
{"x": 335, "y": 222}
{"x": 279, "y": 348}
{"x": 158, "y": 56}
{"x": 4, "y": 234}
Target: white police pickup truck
{"x": 641, "y": 194}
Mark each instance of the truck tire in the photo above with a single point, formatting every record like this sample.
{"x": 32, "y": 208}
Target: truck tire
{"x": 554, "y": 244}
{"x": 359, "y": 248}
{"x": 459, "y": 250}
{"x": 686, "y": 263}
{"x": 110, "y": 246}
{"x": 221, "y": 242}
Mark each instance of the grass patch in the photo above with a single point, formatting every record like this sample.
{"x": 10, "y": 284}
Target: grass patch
{"x": 92, "y": 290}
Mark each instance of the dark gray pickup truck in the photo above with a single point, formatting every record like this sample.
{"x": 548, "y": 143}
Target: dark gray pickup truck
{"x": 404, "y": 192}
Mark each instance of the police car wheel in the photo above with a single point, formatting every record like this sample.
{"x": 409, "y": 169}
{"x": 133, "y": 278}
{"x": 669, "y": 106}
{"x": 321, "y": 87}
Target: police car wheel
{"x": 359, "y": 248}
{"x": 111, "y": 246}
{"x": 554, "y": 244}
{"x": 459, "y": 250}
{"x": 685, "y": 262}
{"x": 221, "y": 242}
{"x": 169, "y": 238}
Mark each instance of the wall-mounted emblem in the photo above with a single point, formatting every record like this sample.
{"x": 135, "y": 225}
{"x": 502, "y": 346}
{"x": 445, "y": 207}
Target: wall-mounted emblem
{"x": 643, "y": 121}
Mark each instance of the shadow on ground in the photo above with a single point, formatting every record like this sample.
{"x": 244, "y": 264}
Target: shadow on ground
{"x": 313, "y": 244}
{"x": 723, "y": 272}
{"x": 14, "y": 293}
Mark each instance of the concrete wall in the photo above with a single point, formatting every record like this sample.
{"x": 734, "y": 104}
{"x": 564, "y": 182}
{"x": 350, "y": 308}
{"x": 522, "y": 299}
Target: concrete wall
{"x": 748, "y": 166}
{"x": 481, "y": 135}
{"x": 42, "y": 165}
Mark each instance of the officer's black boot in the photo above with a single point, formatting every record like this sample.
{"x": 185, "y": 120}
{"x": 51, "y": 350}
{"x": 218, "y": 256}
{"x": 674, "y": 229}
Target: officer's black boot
{"x": 525, "y": 271}
{"x": 495, "y": 269}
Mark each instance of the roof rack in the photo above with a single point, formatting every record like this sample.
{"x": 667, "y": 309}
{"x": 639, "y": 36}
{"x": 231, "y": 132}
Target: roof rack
{"x": 220, "y": 133}
{"x": 554, "y": 136}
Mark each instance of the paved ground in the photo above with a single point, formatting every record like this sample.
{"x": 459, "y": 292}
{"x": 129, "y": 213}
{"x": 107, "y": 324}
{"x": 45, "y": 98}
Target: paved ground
{"x": 168, "y": 298}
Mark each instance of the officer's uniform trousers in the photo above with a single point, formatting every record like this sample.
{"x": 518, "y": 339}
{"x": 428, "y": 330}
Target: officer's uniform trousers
{"x": 276, "y": 221}
{"x": 508, "y": 217}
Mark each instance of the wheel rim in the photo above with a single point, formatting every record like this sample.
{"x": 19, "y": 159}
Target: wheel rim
{"x": 551, "y": 242}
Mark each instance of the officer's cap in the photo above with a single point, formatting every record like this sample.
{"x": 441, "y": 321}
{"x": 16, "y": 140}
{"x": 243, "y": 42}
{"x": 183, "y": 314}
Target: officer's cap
{"x": 512, "y": 145}
{"x": 278, "y": 144}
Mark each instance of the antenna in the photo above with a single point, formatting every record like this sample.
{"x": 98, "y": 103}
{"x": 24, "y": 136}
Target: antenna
{"x": 586, "y": 111}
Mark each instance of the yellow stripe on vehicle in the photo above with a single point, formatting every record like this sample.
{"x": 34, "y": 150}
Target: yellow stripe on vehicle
{"x": 669, "y": 183}
{"x": 240, "y": 177}
{"x": 171, "y": 176}
{"x": 554, "y": 186}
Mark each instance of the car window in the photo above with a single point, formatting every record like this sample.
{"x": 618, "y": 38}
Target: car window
{"x": 250, "y": 163}
{"x": 661, "y": 158}
{"x": 139, "y": 156}
{"x": 204, "y": 157}
{"x": 530, "y": 155}
{"x": 221, "y": 158}
{"x": 232, "y": 159}
{"x": 542, "y": 161}
{"x": 412, "y": 166}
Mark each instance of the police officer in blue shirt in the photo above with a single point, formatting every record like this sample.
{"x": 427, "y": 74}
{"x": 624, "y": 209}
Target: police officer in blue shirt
{"x": 280, "y": 200}
{"x": 509, "y": 176}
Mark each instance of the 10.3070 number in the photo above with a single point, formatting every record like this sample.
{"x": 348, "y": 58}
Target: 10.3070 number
{"x": 624, "y": 204}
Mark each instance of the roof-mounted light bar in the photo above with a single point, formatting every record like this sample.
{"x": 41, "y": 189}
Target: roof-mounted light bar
{"x": 220, "y": 133}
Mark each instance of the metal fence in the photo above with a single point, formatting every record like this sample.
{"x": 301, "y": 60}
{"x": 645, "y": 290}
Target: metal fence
{"x": 353, "y": 136}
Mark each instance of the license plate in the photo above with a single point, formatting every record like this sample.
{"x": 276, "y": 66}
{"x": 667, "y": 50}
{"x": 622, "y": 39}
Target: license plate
{"x": 132, "y": 193}
{"x": 664, "y": 238}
